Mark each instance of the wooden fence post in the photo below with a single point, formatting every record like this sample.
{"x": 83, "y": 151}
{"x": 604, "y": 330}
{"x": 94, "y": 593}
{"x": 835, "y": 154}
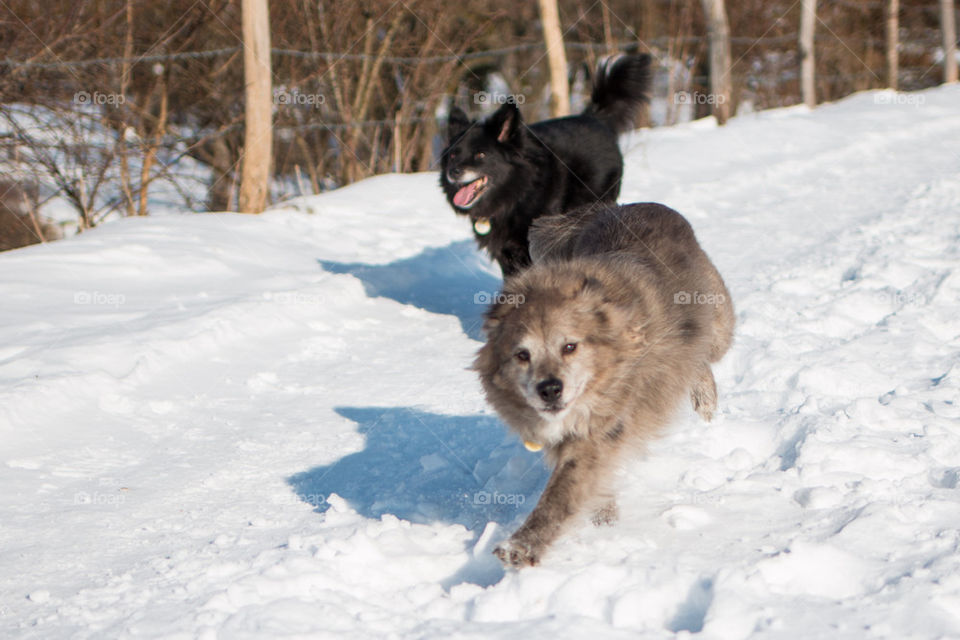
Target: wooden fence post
{"x": 808, "y": 23}
{"x": 948, "y": 18}
{"x": 556, "y": 58}
{"x": 721, "y": 65}
{"x": 893, "y": 43}
{"x": 258, "y": 126}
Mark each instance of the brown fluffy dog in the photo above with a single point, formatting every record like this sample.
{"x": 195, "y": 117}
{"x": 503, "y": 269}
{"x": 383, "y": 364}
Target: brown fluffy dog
{"x": 590, "y": 351}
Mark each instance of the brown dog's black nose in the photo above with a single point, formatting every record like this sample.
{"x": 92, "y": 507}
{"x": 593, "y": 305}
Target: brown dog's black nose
{"x": 550, "y": 389}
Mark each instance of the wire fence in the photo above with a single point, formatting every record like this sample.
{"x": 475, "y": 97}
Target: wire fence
{"x": 331, "y": 56}
{"x": 654, "y": 44}
{"x": 323, "y": 141}
{"x": 328, "y": 56}
{"x": 858, "y": 5}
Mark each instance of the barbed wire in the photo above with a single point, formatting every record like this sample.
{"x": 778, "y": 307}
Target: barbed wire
{"x": 328, "y": 56}
{"x": 8, "y": 142}
{"x": 159, "y": 57}
{"x": 472, "y": 55}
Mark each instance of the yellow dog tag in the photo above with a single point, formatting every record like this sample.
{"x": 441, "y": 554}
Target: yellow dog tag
{"x": 481, "y": 226}
{"x": 532, "y": 446}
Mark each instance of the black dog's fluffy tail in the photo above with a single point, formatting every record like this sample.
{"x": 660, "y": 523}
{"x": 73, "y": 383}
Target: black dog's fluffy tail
{"x": 620, "y": 88}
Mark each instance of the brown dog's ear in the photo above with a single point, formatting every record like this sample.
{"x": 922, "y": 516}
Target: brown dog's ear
{"x": 490, "y": 325}
{"x": 494, "y": 317}
{"x": 638, "y": 336}
{"x": 505, "y": 303}
{"x": 582, "y": 286}
{"x": 589, "y": 283}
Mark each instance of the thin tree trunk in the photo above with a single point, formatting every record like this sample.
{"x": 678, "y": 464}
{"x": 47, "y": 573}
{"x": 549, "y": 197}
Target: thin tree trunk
{"x": 218, "y": 194}
{"x": 32, "y": 212}
{"x": 893, "y": 43}
{"x": 608, "y": 30}
{"x": 258, "y": 132}
{"x": 311, "y": 165}
{"x": 718, "y": 29}
{"x": 397, "y": 145}
{"x": 808, "y": 22}
{"x": 948, "y": 17}
{"x": 121, "y": 141}
{"x": 556, "y": 58}
{"x": 151, "y": 153}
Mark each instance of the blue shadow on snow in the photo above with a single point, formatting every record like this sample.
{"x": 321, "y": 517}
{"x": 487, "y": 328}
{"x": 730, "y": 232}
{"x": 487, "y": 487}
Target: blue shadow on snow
{"x": 452, "y": 280}
{"x": 426, "y": 468}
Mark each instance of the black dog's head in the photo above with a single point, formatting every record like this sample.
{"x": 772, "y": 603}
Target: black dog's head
{"x": 478, "y": 157}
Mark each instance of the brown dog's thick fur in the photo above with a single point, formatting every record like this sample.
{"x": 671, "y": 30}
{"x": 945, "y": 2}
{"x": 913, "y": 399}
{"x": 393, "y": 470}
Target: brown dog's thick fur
{"x": 593, "y": 348}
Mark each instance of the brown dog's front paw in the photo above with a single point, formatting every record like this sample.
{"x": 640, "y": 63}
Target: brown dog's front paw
{"x": 517, "y": 553}
{"x": 705, "y": 410}
{"x": 608, "y": 514}
{"x": 703, "y": 396}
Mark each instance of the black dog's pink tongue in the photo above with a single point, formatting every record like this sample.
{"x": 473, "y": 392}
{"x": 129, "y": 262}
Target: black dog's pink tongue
{"x": 465, "y": 195}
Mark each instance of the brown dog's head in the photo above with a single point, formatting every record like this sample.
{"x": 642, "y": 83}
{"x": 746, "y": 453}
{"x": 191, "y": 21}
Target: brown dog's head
{"x": 555, "y": 336}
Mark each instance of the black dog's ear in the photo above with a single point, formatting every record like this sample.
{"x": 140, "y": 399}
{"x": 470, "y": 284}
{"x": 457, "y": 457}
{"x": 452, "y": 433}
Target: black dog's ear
{"x": 457, "y": 123}
{"x": 504, "y": 124}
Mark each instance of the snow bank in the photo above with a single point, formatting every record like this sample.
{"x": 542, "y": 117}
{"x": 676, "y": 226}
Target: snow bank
{"x": 230, "y": 426}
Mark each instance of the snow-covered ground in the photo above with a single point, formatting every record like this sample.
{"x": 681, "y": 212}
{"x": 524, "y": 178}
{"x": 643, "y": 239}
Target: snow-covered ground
{"x": 236, "y": 427}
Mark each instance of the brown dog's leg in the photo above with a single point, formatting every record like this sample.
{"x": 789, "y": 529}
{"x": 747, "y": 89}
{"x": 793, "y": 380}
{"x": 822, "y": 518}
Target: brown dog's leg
{"x": 703, "y": 395}
{"x": 572, "y": 487}
{"x": 606, "y": 514}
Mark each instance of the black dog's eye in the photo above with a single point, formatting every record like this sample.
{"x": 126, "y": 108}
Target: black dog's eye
{"x": 481, "y": 155}
{"x": 569, "y": 348}
{"x": 523, "y": 355}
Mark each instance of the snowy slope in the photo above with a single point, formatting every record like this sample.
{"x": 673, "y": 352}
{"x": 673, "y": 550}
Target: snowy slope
{"x": 230, "y": 426}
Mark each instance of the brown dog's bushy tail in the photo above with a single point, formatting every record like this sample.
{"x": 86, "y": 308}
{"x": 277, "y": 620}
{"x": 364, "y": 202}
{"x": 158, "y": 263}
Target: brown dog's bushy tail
{"x": 620, "y": 88}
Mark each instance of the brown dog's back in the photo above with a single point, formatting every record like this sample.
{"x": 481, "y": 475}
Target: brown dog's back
{"x": 652, "y": 234}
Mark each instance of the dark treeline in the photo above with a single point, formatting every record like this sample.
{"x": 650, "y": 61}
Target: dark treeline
{"x": 164, "y": 80}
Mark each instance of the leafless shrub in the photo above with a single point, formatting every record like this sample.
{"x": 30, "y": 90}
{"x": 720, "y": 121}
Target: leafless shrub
{"x": 121, "y": 105}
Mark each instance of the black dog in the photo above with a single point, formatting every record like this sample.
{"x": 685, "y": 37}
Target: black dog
{"x": 504, "y": 174}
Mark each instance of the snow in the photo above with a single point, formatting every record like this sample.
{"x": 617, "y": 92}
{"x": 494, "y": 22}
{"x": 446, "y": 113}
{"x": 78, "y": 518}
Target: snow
{"x": 232, "y": 426}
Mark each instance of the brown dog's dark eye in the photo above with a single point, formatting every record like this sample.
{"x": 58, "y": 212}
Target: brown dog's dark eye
{"x": 569, "y": 348}
{"x": 523, "y": 355}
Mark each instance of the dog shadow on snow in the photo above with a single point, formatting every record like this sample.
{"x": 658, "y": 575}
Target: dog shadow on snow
{"x": 454, "y": 280}
{"x": 428, "y": 468}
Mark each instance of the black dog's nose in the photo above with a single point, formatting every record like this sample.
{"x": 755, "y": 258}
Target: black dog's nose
{"x": 454, "y": 173}
{"x": 550, "y": 389}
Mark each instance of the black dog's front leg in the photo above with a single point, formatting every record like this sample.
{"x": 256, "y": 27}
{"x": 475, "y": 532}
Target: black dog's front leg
{"x": 513, "y": 258}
